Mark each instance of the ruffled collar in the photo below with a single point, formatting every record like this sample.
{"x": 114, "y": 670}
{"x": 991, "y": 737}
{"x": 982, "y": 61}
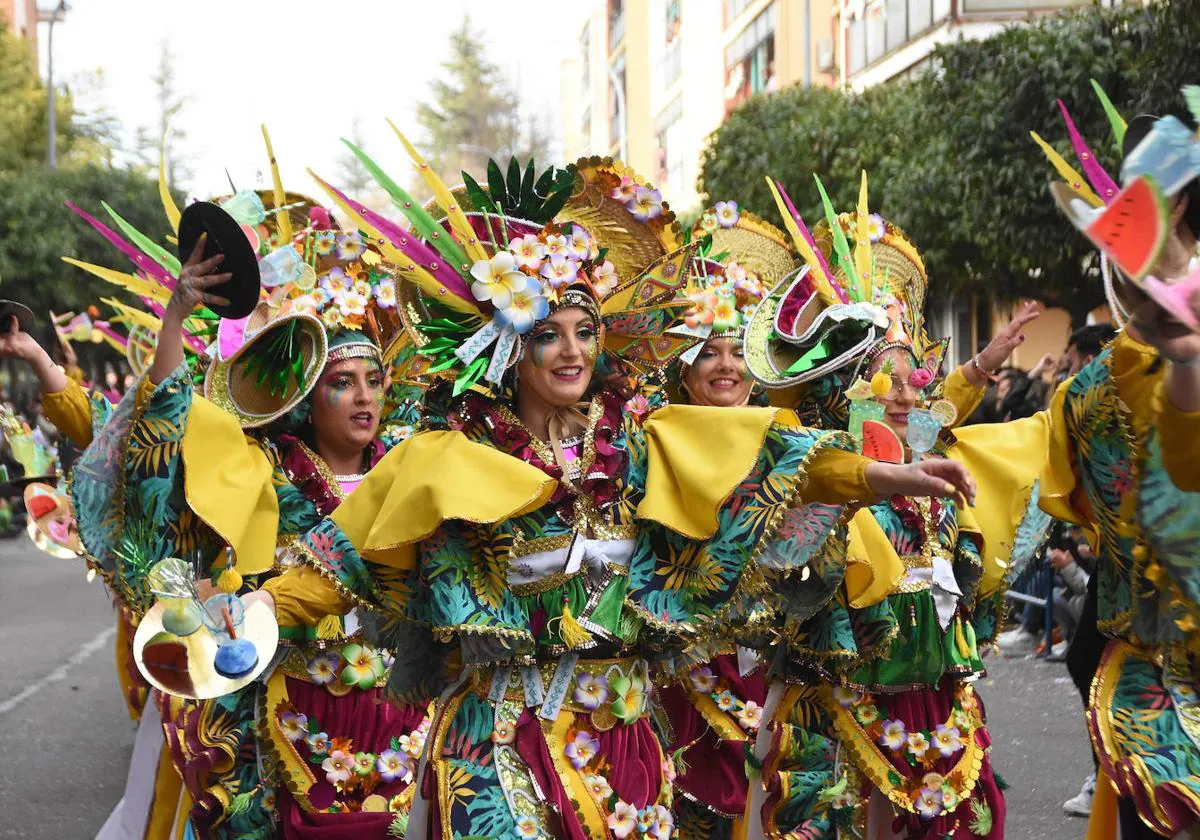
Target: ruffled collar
{"x": 311, "y": 475}
{"x": 601, "y": 460}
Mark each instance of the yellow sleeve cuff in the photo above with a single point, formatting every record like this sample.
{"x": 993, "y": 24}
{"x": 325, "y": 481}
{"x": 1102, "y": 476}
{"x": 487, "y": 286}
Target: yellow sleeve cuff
{"x": 836, "y": 477}
{"x": 965, "y": 396}
{"x": 303, "y": 597}
{"x": 71, "y": 413}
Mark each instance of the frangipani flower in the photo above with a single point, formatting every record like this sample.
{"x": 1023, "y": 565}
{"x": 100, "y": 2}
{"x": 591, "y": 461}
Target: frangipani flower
{"x": 703, "y": 680}
{"x": 350, "y": 246}
{"x": 638, "y": 407}
{"x": 526, "y": 306}
{"x": 581, "y": 750}
{"x": 598, "y": 786}
{"x": 528, "y": 827}
{"x": 726, "y": 315}
{"x": 579, "y": 244}
{"x": 846, "y": 697}
{"x": 336, "y": 281}
{"x": 394, "y": 765}
{"x": 352, "y": 304}
{"x": 646, "y": 818}
{"x": 750, "y": 715}
{"x": 497, "y": 279}
{"x": 630, "y": 698}
{"x": 364, "y": 666}
{"x": 324, "y": 242}
{"x": 646, "y": 204}
{"x": 623, "y": 820}
{"x": 294, "y": 725}
{"x": 338, "y": 767}
{"x": 556, "y": 245}
{"x": 504, "y": 732}
{"x": 560, "y": 271}
{"x": 735, "y": 273}
{"x": 590, "y": 691}
{"x": 875, "y": 227}
{"x": 385, "y": 295}
{"x": 528, "y": 251}
{"x": 414, "y": 743}
{"x": 727, "y": 213}
{"x": 867, "y": 714}
{"x": 947, "y": 739}
{"x": 929, "y": 803}
{"x": 625, "y": 190}
{"x": 364, "y": 763}
{"x": 604, "y": 278}
{"x": 918, "y": 744}
{"x": 895, "y": 735}
{"x": 709, "y": 223}
{"x": 725, "y": 701}
{"x": 363, "y": 287}
{"x": 324, "y": 667}
{"x": 702, "y": 312}
{"x": 318, "y": 743}
{"x": 663, "y": 825}
{"x": 331, "y": 317}
{"x": 949, "y": 798}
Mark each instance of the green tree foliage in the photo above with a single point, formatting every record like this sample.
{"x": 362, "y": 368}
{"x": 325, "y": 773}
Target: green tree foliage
{"x": 474, "y": 114}
{"x": 949, "y": 155}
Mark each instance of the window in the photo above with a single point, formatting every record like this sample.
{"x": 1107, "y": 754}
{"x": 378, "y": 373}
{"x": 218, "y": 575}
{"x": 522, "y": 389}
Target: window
{"x": 585, "y": 52}
{"x": 920, "y": 16}
{"x": 897, "y": 24}
{"x": 750, "y": 60}
{"x": 941, "y": 10}
{"x": 669, "y": 66}
{"x": 615, "y": 104}
{"x": 616, "y": 24}
{"x": 855, "y": 47}
{"x": 733, "y": 8}
{"x": 875, "y": 33}
{"x": 670, "y": 152}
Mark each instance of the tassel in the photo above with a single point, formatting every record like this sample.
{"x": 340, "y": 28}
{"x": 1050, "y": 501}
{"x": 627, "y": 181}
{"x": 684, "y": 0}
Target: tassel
{"x": 399, "y": 826}
{"x": 240, "y": 804}
{"x": 573, "y": 634}
{"x": 629, "y": 628}
{"x": 678, "y": 762}
{"x": 229, "y": 580}
{"x": 330, "y": 627}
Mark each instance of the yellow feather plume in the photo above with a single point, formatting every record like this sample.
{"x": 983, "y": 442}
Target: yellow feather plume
{"x": 133, "y": 317}
{"x": 1074, "y": 179}
{"x": 862, "y": 241}
{"x": 819, "y": 279}
{"x": 164, "y": 191}
{"x": 445, "y": 199}
{"x": 281, "y": 216}
{"x": 401, "y": 262}
{"x": 138, "y": 285}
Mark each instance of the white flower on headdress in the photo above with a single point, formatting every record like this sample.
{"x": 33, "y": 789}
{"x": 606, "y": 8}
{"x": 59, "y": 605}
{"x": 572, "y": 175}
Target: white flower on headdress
{"x": 352, "y": 304}
{"x": 556, "y": 245}
{"x": 727, "y": 213}
{"x": 646, "y": 204}
{"x": 528, "y": 251}
{"x": 735, "y": 272}
{"x": 336, "y": 281}
{"x": 307, "y": 303}
{"x": 363, "y": 287}
{"x": 560, "y": 271}
{"x": 385, "y": 295}
{"x": 708, "y": 222}
{"x": 579, "y": 244}
{"x": 331, "y": 317}
{"x": 526, "y": 307}
{"x": 497, "y": 279}
{"x": 350, "y": 246}
{"x": 875, "y": 227}
{"x": 625, "y": 190}
{"x": 604, "y": 278}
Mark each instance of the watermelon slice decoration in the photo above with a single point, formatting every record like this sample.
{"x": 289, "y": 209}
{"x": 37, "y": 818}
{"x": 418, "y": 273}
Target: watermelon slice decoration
{"x": 881, "y": 443}
{"x": 1130, "y": 231}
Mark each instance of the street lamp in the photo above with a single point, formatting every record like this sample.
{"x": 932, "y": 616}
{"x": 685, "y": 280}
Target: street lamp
{"x": 51, "y": 16}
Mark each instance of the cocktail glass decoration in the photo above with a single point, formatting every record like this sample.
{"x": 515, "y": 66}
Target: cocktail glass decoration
{"x": 862, "y": 408}
{"x": 32, "y": 456}
{"x": 923, "y": 429}
{"x": 174, "y": 582}
{"x": 224, "y": 614}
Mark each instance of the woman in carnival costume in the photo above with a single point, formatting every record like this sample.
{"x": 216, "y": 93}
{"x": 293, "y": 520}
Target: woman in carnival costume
{"x": 537, "y": 543}
{"x": 873, "y": 722}
{"x": 292, "y": 418}
{"x": 1123, "y": 453}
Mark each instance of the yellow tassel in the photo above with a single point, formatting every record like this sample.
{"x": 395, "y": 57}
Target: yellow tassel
{"x": 573, "y": 634}
{"x": 229, "y": 580}
{"x": 330, "y": 627}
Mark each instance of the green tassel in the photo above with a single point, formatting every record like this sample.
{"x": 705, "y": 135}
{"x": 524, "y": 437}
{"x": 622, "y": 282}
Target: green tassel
{"x": 399, "y": 826}
{"x": 629, "y": 627}
{"x": 240, "y": 804}
{"x": 981, "y": 821}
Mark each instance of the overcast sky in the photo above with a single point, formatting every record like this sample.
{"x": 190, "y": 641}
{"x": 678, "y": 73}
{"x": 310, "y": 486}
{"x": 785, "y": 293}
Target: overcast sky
{"x": 307, "y": 68}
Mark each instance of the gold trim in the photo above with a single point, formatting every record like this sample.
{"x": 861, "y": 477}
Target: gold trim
{"x": 324, "y": 471}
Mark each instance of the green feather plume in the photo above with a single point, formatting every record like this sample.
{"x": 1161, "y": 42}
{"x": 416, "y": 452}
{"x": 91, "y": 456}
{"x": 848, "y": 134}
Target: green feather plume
{"x": 1114, "y": 117}
{"x": 841, "y": 245}
{"x": 149, "y": 247}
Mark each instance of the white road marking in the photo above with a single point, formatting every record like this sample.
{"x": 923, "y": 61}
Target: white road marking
{"x": 60, "y": 673}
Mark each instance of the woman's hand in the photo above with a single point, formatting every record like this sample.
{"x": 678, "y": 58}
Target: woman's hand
{"x": 18, "y": 344}
{"x": 991, "y": 358}
{"x": 189, "y": 293}
{"x": 928, "y": 477}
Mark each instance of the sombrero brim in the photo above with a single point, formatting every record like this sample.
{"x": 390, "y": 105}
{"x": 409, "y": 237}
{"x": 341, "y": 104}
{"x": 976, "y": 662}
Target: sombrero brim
{"x": 225, "y": 236}
{"x": 24, "y": 316}
{"x": 230, "y": 385}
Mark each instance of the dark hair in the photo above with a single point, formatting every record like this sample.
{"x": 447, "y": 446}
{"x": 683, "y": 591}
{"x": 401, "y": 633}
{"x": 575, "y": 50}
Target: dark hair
{"x": 1090, "y": 340}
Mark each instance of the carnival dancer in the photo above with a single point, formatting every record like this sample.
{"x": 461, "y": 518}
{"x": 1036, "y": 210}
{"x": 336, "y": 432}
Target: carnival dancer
{"x": 1123, "y": 453}
{"x": 539, "y": 541}
{"x": 291, "y": 422}
{"x": 873, "y": 720}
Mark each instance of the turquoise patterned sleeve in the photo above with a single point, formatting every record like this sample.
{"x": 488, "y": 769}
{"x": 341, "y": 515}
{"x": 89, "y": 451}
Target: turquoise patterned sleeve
{"x": 128, "y": 490}
{"x": 1170, "y": 525}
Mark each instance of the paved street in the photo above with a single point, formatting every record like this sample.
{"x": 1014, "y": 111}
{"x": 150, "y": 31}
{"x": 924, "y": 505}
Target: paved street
{"x": 66, "y": 739}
